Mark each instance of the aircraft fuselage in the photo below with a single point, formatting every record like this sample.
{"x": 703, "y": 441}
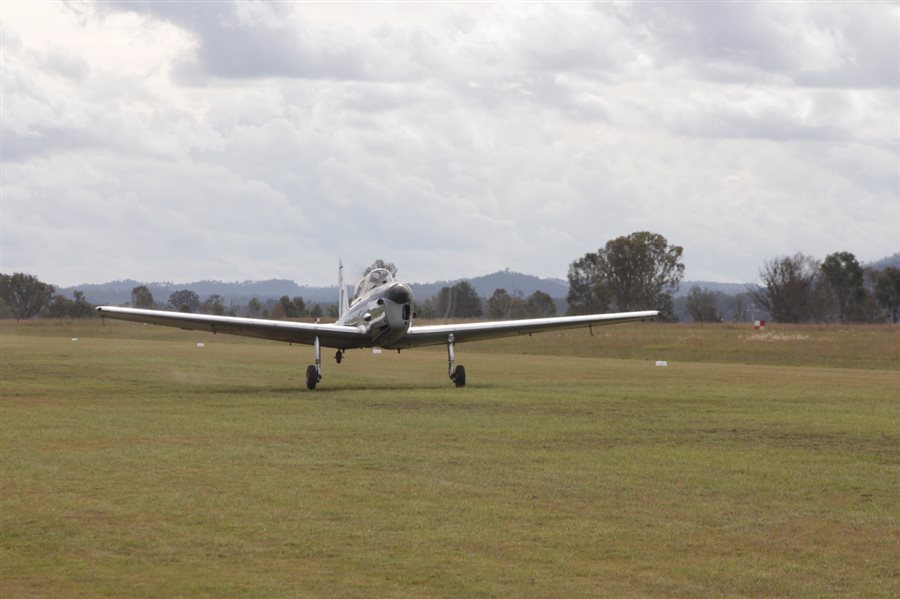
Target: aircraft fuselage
{"x": 384, "y": 313}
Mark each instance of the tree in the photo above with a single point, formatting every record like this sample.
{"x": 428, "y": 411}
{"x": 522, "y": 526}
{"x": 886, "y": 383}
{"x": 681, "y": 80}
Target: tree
{"x": 316, "y": 311}
{"x": 59, "y": 307}
{"x": 425, "y": 309}
{"x": 887, "y": 291}
{"x": 789, "y": 286}
{"x": 254, "y": 307}
{"x": 587, "y": 287}
{"x": 185, "y": 300}
{"x": 292, "y": 308}
{"x": 638, "y": 271}
{"x": 142, "y": 298}
{"x": 843, "y": 279}
{"x": 25, "y": 294}
{"x": 214, "y": 304}
{"x": 539, "y": 304}
{"x": 701, "y": 305}
{"x": 81, "y": 308}
{"x": 502, "y": 305}
{"x": 300, "y": 305}
{"x": 390, "y": 266}
{"x": 460, "y": 301}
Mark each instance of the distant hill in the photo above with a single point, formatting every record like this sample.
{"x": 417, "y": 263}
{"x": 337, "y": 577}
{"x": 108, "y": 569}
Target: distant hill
{"x": 885, "y": 262}
{"x": 119, "y": 292}
{"x": 485, "y": 285}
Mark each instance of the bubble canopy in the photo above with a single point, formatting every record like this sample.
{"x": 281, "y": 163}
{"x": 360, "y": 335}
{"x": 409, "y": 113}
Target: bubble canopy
{"x": 375, "y": 278}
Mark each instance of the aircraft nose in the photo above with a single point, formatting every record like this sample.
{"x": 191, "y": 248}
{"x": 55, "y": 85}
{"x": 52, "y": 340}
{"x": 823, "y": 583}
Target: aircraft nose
{"x": 399, "y": 293}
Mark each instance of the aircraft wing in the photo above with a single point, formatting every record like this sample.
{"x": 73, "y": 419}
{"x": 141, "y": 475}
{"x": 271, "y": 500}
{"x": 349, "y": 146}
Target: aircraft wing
{"x": 476, "y": 331}
{"x": 330, "y": 335}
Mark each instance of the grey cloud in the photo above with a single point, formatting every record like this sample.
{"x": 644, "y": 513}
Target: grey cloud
{"x": 835, "y": 45}
{"x": 249, "y": 41}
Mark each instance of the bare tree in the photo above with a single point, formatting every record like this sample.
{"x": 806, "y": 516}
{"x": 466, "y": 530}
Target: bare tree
{"x": 701, "y": 305}
{"x": 789, "y": 285}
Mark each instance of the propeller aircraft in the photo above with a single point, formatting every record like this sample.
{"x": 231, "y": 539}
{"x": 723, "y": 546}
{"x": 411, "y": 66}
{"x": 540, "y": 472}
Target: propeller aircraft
{"x": 379, "y": 315}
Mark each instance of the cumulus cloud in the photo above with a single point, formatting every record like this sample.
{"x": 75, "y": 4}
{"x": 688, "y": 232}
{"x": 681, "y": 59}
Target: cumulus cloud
{"x": 251, "y": 140}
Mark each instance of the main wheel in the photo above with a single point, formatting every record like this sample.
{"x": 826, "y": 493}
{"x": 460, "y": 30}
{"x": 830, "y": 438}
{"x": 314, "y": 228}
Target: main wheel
{"x": 312, "y": 377}
{"x": 459, "y": 376}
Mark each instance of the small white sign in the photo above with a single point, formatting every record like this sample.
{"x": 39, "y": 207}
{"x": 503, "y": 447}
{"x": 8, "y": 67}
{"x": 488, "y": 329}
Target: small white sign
{"x": 201, "y": 345}
{"x": 376, "y": 350}
{"x": 662, "y": 363}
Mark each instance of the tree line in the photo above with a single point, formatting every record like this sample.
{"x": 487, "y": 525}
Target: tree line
{"x": 640, "y": 271}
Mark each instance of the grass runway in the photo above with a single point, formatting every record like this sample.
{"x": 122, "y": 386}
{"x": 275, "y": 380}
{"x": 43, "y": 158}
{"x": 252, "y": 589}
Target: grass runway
{"x": 135, "y": 464}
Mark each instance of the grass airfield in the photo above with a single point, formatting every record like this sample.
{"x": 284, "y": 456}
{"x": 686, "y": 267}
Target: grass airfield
{"x": 136, "y": 464}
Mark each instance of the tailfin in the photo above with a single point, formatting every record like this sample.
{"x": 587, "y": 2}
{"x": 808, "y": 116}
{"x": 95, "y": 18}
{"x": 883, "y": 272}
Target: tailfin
{"x": 343, "y": 299}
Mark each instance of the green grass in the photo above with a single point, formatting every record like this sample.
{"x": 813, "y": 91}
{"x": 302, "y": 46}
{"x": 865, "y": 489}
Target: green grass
{"x": 135, "y": 464}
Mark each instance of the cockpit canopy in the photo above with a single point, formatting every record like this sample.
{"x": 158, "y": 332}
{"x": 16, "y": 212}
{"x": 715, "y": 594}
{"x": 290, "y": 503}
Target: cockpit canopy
{"x": 375, "y": 278}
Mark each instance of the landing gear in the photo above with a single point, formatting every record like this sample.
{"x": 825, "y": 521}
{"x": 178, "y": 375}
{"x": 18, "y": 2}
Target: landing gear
{"x": 312, "y": 377}
{"x": 459, "y": 376}
{"x": 339, "y": 356}
{"x": 457, "y": 373}
{"x": 314, "y": 372}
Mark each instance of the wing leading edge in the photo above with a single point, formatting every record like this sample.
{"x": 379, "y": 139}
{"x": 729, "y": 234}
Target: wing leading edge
{"x": 477, "y": 331}
{"x": 330, "y": 335}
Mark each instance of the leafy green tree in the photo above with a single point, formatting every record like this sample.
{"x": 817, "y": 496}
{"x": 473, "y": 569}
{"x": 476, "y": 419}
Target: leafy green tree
{"x": 254, "y": 308}
{"x": 142, "y": 298}
{"x": 59, "y": 307}
{"x": 316, "y": 311}
{"x": 300, "y": 306}
{"x": 5, "y": 311}
{"x": 843, "y": 278}
{"x": 287, "y": 309}
{"x": 588, "y": 293}
{"x": 887, "y": 291}
{"x": 25, "y": 294}
{"x": 539, "y": 304}
{"x": 185, "y": 300}
{"x": 292, "y": 308}
{"x": 701, "y": 305}
{"x": 459, "y": 301}
{"x": 633, "y": 272}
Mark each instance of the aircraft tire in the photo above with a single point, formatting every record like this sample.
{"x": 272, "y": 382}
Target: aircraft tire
{"x": 312, "y": 377}
{"x": 459, "y": 376}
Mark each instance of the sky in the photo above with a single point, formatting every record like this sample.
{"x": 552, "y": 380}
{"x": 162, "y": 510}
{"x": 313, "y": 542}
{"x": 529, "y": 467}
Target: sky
{"x": 181, "y": 141}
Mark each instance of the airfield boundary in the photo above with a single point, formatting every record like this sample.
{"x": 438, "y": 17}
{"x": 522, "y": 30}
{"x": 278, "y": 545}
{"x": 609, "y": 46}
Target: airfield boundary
{"x": 133, "y": 463}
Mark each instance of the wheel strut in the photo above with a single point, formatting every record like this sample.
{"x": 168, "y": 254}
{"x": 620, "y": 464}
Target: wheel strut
{"x": 457, "y": 373}
{"x": 314, "y": 372}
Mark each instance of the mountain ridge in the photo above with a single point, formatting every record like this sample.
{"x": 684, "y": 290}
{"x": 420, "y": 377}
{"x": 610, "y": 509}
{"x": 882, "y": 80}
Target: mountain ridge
{"x": 119, "y": 291}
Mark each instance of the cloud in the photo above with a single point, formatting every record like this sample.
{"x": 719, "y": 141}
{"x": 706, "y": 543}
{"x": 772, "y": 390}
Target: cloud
{"x": 250, "y": 140}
